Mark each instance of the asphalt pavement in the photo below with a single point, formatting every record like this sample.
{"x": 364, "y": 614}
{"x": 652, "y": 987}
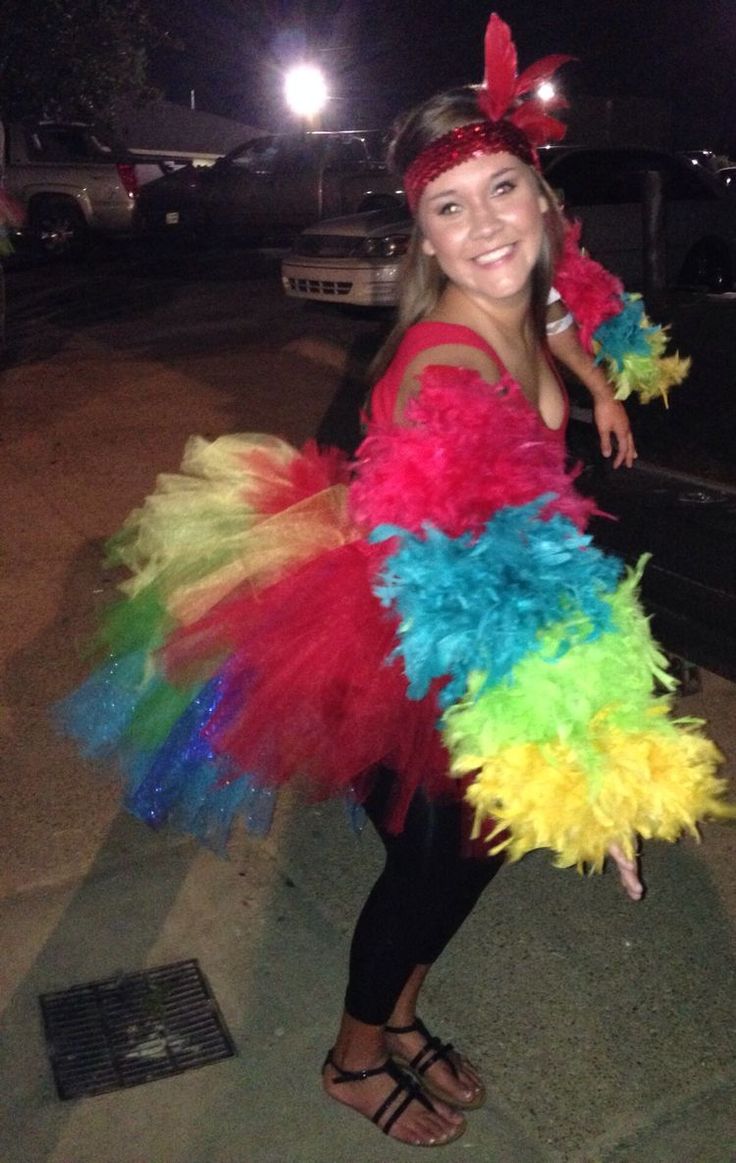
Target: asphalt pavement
{"x": 604, "y": 1029}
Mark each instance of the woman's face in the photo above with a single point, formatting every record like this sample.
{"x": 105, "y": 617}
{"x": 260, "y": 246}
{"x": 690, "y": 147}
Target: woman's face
{"x": 483, "y": 222}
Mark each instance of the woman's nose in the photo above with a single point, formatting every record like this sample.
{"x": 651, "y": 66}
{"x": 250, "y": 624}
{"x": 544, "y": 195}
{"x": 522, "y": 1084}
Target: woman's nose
{"x": 484, "y": 220}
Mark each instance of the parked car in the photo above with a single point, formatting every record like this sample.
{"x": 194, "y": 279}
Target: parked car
{"x": 357, "y": 259}
{"x": 73, "y": 178}
{"x": 604, "y": 188}
{"x": 353, "y": 260}
{"x": 272, "y": 184}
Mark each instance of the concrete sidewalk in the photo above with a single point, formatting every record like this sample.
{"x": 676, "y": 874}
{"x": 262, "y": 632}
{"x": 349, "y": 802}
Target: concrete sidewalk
{"x": 605, "y": 1030}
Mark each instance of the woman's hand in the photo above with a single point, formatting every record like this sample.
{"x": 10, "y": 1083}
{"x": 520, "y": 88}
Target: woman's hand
{"x": 611, "y": 421}
{"x": 628, "y": 871}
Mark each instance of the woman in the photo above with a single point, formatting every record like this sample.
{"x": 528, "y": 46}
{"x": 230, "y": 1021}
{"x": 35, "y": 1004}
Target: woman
{"x": 478, "y": 276}
{"x": 283, "y": 620}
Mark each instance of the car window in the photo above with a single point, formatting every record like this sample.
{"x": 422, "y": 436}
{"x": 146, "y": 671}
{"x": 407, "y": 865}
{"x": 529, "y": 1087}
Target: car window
{"x": 257, "y": 157}
{"x": 294, "y": 155}
{"x": 375, "y": 142}
{"x": 591, "y": 178}
{"x": 683, "y": 180}
{"x": 345, "y": 151}
{"x": 65, "y": 143}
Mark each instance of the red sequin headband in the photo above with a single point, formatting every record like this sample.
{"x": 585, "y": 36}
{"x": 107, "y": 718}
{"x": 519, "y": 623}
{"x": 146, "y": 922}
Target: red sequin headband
{"x": 513, "y": 122}
{"x": 481, "y": 137}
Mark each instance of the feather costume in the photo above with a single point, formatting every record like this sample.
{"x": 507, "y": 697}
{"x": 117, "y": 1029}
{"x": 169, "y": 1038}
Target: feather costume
{"x": 445, "y": 613}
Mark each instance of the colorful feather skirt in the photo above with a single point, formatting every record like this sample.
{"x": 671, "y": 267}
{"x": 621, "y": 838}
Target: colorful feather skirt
{"x": 441, "y": 611}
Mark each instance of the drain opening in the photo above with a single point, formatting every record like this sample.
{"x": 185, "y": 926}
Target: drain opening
{"x": 132, "y": 1029}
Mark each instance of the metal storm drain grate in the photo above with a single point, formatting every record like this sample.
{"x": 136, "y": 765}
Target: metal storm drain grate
{"x": 133, "y": 1029}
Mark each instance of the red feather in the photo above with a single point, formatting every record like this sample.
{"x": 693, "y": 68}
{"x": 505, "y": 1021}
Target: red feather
{"x": 499, "y": 82}
{"x": 502, "y": 88}
{"x": 532, "y": 77}
{"x": 540, "y": 128}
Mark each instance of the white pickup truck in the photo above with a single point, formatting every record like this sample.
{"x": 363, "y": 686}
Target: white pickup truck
{"x": 73, "y": 181}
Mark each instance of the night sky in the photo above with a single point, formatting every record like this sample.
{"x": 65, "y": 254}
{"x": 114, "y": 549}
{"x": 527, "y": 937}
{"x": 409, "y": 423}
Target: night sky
{"x": 381, "y": 56}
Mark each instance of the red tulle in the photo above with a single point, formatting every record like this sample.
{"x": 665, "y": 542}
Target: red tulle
{"x": 590, "y": 292}
{"x": 313, "y": 470}
{"x": 307, "y": 688}
{"x": 468, "y": 451}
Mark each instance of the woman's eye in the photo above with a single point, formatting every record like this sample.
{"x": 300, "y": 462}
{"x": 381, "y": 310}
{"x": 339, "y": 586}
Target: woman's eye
{"x": 504, "y": 187}
{"x": 449, "y": 208}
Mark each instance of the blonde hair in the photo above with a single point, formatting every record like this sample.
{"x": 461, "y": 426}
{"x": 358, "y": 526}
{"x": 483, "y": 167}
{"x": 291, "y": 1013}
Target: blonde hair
{"x": 421, "y": 281}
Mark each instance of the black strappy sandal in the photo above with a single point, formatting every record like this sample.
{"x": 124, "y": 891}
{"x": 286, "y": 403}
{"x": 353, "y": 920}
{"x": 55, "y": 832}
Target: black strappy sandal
{"x": 433, "y": 1051}
{"x": 394, "y": 1106}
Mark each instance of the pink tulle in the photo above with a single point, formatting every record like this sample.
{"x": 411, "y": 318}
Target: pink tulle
{"x": 307, "y": 690}
{"x": 468, "y": 451}
{"x": 590, "y": 292}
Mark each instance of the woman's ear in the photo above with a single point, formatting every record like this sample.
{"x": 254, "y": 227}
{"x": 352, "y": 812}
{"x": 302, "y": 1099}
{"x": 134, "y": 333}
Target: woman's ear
{"x": 543, "y": 203}
{"x": 427, "y": 248}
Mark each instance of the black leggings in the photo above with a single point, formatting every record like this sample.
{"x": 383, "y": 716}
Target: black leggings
{"x": 420, "y": 900}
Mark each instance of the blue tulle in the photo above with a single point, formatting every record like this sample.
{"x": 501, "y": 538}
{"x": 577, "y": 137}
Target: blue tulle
{"x": 98, "y": 712}
{"x": 481, "y": 605}
{"x": 182, "y": 782}
{"x": 623, "y": 334}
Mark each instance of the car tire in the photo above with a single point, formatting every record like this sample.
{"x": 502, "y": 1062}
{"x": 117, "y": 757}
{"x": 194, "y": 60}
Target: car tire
{"x": 57, "y": 227}
{"x": 708, "y": 267}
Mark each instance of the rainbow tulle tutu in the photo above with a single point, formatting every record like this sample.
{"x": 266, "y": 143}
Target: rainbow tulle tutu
{"x": 438, "y": 608}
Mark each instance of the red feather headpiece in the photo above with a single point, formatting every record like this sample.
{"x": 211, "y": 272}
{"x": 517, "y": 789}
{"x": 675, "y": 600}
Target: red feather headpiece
{"x": 515, "y": 122}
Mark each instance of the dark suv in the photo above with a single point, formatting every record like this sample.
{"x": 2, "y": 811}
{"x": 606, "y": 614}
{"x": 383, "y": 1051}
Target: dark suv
{"x": 605, "y": 189}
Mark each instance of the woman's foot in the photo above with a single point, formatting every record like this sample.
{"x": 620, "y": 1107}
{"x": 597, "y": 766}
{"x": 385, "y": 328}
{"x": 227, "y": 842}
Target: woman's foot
{"x": 443, "y": 1072}
{"x": 394, "y": 1101}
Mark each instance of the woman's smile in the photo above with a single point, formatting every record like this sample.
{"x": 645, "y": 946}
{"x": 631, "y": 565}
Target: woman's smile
{"x": 493, "y": 257}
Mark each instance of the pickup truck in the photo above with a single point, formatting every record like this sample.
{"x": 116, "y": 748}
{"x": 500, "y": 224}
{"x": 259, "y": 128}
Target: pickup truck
{"x": 73, "y": 180}
{"x": 273, "y": 184}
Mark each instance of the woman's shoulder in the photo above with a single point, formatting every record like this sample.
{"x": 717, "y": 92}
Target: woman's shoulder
{"x": 441, "y": 344}
{"x": 429, "y": 334}
{"x": 427, "y": 343}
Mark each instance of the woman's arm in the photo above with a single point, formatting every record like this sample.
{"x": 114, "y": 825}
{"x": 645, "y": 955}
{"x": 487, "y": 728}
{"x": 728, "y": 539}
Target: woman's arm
{"x": 609, "y": 414}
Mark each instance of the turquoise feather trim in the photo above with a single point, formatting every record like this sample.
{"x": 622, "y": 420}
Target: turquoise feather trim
{"x": 469, "y": 604}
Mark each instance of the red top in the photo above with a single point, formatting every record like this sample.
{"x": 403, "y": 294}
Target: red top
{"x": 419, "y": 338}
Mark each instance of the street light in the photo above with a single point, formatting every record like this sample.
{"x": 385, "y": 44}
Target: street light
{"x": 305, "y": 90}
{"x": 546, "y": 91}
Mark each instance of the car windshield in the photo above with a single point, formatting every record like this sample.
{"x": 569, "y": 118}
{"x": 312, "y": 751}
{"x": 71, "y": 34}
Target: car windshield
{"x": 590, "y": 177}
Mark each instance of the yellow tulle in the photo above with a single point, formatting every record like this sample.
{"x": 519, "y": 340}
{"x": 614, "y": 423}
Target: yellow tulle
{"x": 267, "y": 549}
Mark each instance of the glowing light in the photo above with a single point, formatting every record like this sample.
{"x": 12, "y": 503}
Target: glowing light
{"x": 546, "y": 91}
{"x": 305, "y": 90}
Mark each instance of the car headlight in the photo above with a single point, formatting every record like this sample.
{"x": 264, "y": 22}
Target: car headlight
{"x": 392, "y": 246}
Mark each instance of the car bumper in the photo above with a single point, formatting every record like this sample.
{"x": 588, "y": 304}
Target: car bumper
{"x": 114, "y": 218}
{"x": 359, "y": 283}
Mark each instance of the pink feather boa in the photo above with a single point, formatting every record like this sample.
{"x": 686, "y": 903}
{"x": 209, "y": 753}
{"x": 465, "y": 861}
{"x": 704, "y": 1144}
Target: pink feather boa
{"x": 467, "y": 451}
{"x": 591, "y": 293}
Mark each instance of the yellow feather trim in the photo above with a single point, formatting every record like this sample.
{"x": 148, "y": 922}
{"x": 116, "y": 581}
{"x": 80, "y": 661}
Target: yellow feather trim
{"x": 657, "y": 786}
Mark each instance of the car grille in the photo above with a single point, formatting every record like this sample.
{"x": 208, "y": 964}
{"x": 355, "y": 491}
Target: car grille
{"x": 320, "y": 287}
{"x": 328, "y": 246}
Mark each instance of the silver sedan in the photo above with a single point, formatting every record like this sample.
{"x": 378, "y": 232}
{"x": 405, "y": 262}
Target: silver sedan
{"x": 355, "y": 260}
